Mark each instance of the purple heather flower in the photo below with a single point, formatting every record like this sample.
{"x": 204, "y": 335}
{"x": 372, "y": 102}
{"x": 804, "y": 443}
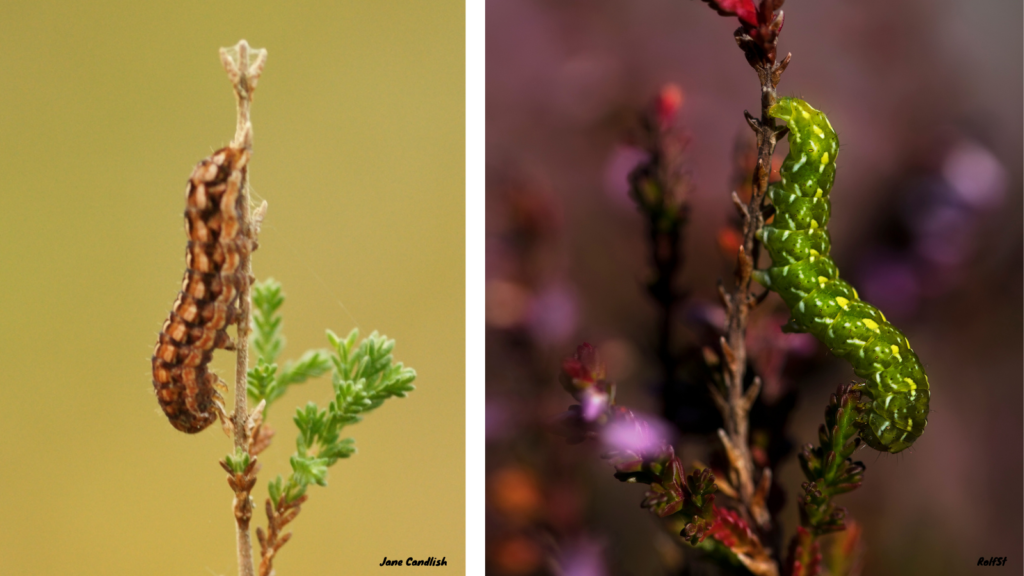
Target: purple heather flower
{"x": 594, "y": 403}
{"x": 583, "y": 558}
{"x": 645, "y": 434}
{"x": 552, "y": 315}
{"x": 616, "y": 174}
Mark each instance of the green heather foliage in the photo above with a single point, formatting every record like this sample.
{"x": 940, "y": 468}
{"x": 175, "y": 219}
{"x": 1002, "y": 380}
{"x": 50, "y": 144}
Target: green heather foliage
{"x": 829, "y": 467}
{"x": 238, "y": 461}
{"x": 267, "y": 381}
{"x": 364, "y": 375}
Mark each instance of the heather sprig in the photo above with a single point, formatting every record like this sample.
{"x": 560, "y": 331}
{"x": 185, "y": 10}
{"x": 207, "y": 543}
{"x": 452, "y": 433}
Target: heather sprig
{"x": 364, "y": 375}
{"x": 829, "y": 468}
{"x": 268, "y": 381}
{"x": 639, "y": 452}
{"x": 760, "y": 26}
{"x": 660, "y": 188}
{"x": 804, "y": 554}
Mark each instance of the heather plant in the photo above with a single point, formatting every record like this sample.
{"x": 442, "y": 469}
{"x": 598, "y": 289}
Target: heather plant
{"x": 219, "y": 291}
{"x": 728, "y": 509}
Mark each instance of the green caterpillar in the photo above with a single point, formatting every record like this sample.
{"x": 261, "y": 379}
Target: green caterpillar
{"x": 823, "y": 304}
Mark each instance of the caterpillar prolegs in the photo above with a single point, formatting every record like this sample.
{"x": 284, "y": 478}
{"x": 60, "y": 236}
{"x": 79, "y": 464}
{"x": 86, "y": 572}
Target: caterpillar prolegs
{"x": 823, "y": 304}
{"x": 219, "y": 241}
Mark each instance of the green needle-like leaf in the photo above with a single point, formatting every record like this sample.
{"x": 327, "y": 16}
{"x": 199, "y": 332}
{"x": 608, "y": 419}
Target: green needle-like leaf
{"x": 238, "y": 461}
{"x": 268, "y": 381}
{"x": 312, "y": 364}
{"x": 262, "y": 381}
{"x": 364, "y": 375}
{"x": 309, "y": 470}
{"x": 274, "y": 489}
{"x": 267, "y": 299}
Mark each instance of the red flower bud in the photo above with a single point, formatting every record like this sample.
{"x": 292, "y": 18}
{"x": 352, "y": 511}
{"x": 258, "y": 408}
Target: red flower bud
{"x": 668, "y": 103}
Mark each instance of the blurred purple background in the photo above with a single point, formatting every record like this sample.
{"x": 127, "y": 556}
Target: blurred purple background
{"x": 926, "y": 96}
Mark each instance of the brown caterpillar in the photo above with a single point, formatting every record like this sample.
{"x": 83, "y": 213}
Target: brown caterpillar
{"x": 219, "y": 242}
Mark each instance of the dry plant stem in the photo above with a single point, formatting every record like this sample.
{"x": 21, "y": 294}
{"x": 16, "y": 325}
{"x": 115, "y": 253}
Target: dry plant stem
{"x": 244, "y": 75}
{"x": 736, "y": 404}
{"x": 244, "y": 66}
{"x": 277, "y": 518}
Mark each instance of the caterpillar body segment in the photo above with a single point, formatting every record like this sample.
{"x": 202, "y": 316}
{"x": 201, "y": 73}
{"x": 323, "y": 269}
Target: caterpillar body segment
{"x": 896, "y": 386}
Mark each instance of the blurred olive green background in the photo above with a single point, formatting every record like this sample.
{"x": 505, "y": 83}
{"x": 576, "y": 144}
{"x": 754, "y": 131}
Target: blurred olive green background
{"x": 359, "y": 150}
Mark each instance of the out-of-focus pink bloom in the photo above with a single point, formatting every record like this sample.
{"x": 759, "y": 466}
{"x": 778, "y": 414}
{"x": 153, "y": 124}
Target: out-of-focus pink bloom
{"x": 944, "y": 218}
{"x": 552, "y": 315}
{"x": 767, "y": 332}
{"x": 945, "y": 221}
{"x": 946, "y": 235}
{"x": 594, "y": 403}
{"x": 703, "y": 312}
{"x": 583, "y": 376}
{"x": 507, "y": 305}
{"x": 643, "y": 435}
{"x": 583, "y": 558}
{"x": 893, "y": 285}
{"x": 498, "y": 419}
{"x": 770, "y": 348}
{"x": 616, "y": 174}
{"x": 975, "y": 174}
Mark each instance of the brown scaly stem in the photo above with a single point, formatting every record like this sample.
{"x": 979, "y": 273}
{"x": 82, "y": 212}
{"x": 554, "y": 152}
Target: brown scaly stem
{"x": 736, "y": 403}
{"x": 244, "y": 66}
{"x": 277, "y": 518}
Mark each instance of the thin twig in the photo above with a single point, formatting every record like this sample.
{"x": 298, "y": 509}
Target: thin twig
{"x": 740, "y": 301}
{"x": 244, "y": 66}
